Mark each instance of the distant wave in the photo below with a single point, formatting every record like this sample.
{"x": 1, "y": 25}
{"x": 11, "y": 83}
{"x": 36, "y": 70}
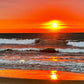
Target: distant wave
{"x": 49, "y": 50}
{"x": 43, "y": 42}
{"x": 76, "y": 44}
{"x": 15, "y": 41}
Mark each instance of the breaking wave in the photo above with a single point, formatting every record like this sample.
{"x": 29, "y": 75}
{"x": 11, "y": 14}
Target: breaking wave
{"x": 76, "y": 44}
{"x": 15, "y": 41}
{"x": 49, "y": 50}
{"x": 42, "y": 42}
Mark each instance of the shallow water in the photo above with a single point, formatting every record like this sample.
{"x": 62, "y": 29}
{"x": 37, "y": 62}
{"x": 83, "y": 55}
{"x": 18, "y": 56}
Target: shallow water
{"x": 43, "y": 62}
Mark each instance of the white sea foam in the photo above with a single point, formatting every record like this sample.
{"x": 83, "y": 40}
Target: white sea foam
{"x": 44, "y": 65}
{"x": 70, "y": 50}
{"x": 14, "y": 41}
{"x": 22, "y": 49}
{"x": 42, "y": 62}
{"x": 76, "y": 44}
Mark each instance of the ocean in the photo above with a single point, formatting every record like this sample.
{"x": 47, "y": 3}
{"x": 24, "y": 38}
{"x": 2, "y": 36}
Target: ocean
{"x": 42, "y": 51}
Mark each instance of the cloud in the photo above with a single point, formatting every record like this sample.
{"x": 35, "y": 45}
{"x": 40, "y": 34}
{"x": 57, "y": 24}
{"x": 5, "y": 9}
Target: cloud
{"x": 18, "y": 8}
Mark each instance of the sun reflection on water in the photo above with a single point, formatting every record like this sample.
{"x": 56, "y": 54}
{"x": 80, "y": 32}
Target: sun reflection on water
{"x": 54, "y": 59}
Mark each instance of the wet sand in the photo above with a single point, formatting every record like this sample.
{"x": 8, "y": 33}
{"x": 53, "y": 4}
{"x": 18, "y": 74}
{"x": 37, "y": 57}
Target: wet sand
{"x": 10, "y": 76}
{"x": 41, "y": 74}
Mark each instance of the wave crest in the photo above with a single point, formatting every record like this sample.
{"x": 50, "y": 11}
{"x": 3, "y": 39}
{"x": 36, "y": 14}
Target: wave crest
{"x": 15, "y": 41}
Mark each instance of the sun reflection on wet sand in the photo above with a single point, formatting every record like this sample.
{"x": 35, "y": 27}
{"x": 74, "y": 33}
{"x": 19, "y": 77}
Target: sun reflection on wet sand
{"x": 54, "y": 75}
{"x": 40, "y": 74}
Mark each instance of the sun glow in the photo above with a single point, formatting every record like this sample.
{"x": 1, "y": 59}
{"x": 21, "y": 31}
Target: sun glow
{"x": 22, "y": 61}
{"x": 54, "y": 25}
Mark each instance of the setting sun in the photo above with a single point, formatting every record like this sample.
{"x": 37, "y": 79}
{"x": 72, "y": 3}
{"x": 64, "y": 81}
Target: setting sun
{"x": 54, "y": 25}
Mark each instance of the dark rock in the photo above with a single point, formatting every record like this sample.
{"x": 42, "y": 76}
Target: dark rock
{"x": 49, "y": 50}
{"x": 38, "y": 40}
{"x": 8, "y": 50}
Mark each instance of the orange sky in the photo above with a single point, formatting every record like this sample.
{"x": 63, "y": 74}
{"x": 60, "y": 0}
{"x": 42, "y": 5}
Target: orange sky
{"x": 26, "y": 16}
